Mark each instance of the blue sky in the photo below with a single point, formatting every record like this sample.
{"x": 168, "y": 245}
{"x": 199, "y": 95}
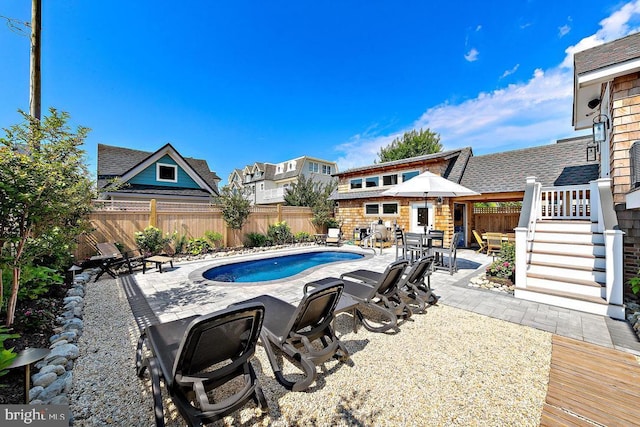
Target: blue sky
{"x": 245, "y": 81}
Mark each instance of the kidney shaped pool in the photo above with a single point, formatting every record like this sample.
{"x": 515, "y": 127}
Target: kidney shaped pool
{"x": 275, "y": 267}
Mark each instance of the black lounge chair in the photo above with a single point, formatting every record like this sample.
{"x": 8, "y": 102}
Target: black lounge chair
{"x": 198, "y": 354}
{"x": 304, "y": 333}
{"x": 381, "y": 296}
{"x": 111, "y": 259}
{"x": 412, "y": 287}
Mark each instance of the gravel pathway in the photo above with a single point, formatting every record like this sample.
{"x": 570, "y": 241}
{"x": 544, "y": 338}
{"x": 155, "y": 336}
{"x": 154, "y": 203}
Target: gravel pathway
{"x": 447, "y": 368}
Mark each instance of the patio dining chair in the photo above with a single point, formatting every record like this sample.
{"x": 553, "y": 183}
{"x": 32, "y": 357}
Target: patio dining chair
{"x": 198, "y": 355}
{"x": 303, "y": 333}
{"x": 401, "y": 246}
{"x": 450, "y": 263}
{"x": 333, "y": 237}
{"x": 483, "y": 246}
{"x": 494, "y": 243}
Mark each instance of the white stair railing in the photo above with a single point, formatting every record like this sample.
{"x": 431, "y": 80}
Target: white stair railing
{"x": 567, "y": 202}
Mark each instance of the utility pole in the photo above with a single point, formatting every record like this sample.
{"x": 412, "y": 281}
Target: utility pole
{"x": 35, "y": 86}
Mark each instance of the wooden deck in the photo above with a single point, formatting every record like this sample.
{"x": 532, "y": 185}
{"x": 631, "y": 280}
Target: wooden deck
{"x": 591, "y": 385}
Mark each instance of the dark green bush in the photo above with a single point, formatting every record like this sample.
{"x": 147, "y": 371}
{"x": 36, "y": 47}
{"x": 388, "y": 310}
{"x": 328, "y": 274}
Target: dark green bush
{"x": 151, "y": 241}
{"x": 255, "y": 240}
{"x": 303, "y": 236}
{"x": 197, "y": 246}
{"x": 6, "y": 355}
{"x": 279, "y": 233}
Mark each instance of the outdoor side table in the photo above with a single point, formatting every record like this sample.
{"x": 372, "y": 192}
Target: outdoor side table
{"x": 25, "y": 358}
{"x": 158, "y": 260}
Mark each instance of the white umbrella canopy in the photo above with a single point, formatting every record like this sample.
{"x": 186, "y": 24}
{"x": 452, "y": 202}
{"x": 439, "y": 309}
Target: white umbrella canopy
{"x": 429, "y": 184}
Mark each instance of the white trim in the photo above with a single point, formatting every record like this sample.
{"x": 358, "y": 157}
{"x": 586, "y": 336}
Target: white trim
{"x": 166, "y": 165}
{"x": 633, "y": 199}
{"x": 608, "y": 73}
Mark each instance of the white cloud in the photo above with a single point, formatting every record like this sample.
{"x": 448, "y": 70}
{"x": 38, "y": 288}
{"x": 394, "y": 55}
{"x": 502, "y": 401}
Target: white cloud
{"x": 511, "y": 71}
{"x": 478, "y": 28}
{"x": 534, "y": 112}
{"x": 564, "y": 30}
{"x": 472, "y": 55}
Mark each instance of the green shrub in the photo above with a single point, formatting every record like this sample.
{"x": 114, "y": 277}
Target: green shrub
{"x": 36, "y": 281}
{"x": 255, "y": 240}
{"x": 279, "y": 233}
{"x": 504, "y": 266}
{"x": 150, "y": 240}
{"x": 6, "y": 355}
{"x": 180, "y": 242}
{"x": 197, "y": 246}
{"x": 635, "y": 283}
{"x": 303, "y": 236}
{"x": 214, "y": 238}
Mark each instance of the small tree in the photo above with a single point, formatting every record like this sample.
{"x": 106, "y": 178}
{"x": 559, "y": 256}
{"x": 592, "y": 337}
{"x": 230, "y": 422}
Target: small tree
{"x": 315, "y": 195}
{"x": 235, "y": 208}
{"x": 45, "y": 190}
{"x": 411, "y": 144}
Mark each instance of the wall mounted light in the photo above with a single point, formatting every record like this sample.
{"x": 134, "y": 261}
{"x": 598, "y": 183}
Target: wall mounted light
{"x": 600, "y": 126}
{"x": 439, "y": 201}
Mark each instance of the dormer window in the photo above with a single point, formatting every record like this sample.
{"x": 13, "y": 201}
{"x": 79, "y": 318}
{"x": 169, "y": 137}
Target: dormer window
{"x": 166, "y": 172}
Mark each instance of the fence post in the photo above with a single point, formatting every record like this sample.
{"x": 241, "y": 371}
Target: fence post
{"x": 153, "y": 213}
{"x": 279, "y": 210}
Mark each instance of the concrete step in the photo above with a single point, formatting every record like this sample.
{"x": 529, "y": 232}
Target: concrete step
{"x": 567, "y": 248}
{"x": 569, "y": 226}
{"x": 567, "y": 271}
{"x": 576, "y": 237}
{"x": 574, "y": 286}
{"x": 564, "y": 258}
{"x": 595, "y": 305}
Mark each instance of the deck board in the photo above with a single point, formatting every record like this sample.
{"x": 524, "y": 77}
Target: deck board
{"x": 591, "y": 385}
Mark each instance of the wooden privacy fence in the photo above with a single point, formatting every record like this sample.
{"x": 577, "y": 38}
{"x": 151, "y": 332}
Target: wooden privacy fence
{"x": 117, "y": 221}
{"x": 500, "y": 219}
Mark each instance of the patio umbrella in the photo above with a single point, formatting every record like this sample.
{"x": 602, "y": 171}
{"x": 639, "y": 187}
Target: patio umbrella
{"x": 428, "y": 184}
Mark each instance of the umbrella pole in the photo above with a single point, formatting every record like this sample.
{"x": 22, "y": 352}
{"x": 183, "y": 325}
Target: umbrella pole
{"x": 426, "y": 213}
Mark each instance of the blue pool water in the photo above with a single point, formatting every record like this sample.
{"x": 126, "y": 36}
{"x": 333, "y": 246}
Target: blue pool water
{"x": 275, "y": 267}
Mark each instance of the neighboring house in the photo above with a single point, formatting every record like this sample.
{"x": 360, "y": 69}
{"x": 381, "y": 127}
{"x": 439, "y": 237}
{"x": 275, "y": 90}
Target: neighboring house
{"x": 163, "y": 175}
{"x": 266, "y": 183}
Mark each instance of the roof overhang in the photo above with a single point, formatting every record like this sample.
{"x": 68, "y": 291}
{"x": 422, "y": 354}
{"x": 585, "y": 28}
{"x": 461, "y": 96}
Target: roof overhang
{"x": 588, "y": 86}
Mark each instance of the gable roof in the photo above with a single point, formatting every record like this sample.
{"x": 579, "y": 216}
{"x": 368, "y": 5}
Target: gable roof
{"x": 605, "y": 55}
{"x": 562, "y": 163}
{"x": 124, "y": 163}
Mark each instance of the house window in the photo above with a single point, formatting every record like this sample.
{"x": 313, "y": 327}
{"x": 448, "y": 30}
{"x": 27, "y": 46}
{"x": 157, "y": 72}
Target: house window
{"x": 371, "y": 209}
{"x": 314, "y": 167}
{"x": 372, "y": 181}
{"x": 390, "y": 208}
{"x": 390, "y": 179}
{"x": 326, "y": 169}
{"x": 356, "y": 183}
{"x": 381, "y": 208}
{"x": 406, "y": 176}
{"x": 166, "y": 173}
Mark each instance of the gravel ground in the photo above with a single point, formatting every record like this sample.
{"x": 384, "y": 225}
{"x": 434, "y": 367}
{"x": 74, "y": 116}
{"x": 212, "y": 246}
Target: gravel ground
{"x": 445, "y": 368}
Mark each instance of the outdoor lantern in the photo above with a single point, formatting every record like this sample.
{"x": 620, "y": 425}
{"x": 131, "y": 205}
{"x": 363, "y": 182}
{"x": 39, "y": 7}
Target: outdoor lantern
{"x": 599, "y": 130}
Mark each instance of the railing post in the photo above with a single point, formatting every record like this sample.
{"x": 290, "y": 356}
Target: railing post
{"x": 613, "y": 266}
{"x": 594, "y": 200}
{"x": 521, "y": 256}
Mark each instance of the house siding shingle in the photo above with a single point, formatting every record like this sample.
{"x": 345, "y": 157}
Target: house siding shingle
{"x": 148, "y": 176}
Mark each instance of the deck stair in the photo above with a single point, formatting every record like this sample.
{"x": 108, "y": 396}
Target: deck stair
{"x": 566, "y": 267}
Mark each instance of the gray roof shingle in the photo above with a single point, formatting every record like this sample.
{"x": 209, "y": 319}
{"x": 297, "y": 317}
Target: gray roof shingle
{"x": 614, "y": 52}
{"x": 562, "y": 163}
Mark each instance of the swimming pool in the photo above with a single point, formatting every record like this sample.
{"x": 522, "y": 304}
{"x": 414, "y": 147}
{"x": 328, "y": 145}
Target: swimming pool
{"x": 275, "y": 268}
